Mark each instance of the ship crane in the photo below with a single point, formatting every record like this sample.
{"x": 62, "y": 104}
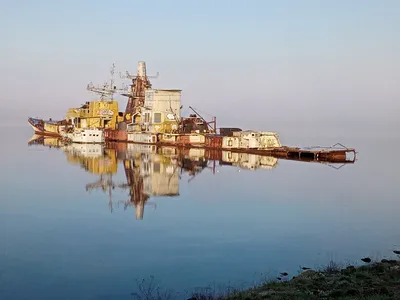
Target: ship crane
{"x": 214, "y": 121}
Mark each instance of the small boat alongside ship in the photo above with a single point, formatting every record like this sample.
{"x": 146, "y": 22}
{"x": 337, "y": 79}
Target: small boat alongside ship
{"x": 153, "y": 117}
{"x": 49, "y": 127}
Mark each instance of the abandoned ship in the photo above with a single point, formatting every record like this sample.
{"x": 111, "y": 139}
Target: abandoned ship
{"x": 153, "y": 116}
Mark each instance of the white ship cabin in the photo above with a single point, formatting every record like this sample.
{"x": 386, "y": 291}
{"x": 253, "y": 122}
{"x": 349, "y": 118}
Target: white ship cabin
{"x": 162, "y": 109}
{"x": 269, "y": 139}
{"x": 229, "y": 142}
{"x": 87, "y": 136}
{"x": 248, "y": 139}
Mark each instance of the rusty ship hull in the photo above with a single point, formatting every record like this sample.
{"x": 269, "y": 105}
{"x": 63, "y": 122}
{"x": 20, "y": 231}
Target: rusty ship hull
{"x": 212, "y": 142}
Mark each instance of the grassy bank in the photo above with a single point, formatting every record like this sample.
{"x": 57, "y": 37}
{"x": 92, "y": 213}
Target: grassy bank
{"x": 373, "y": 281}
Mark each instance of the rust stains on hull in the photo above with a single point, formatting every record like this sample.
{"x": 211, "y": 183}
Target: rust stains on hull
{"x": 214, "y": 147}
{"x": 328, "y": 155}
{"x": 115, "y": 135}
{"x": 290, "y": 153}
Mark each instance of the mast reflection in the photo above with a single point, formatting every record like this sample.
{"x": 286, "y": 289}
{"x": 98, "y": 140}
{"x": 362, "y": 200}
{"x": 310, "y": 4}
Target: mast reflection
{"x": 149, "y": 171}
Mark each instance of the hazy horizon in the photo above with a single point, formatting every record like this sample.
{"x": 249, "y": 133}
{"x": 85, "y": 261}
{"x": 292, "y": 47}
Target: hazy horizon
{"x": 308, "y": 68}
{"x": 84, "y": 221}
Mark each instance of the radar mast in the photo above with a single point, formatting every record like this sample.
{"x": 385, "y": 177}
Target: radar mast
{"x": 107, "y": 90}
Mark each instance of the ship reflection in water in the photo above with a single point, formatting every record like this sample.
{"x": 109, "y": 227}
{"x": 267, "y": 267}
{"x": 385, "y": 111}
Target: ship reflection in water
{"x": 150, "y": 171}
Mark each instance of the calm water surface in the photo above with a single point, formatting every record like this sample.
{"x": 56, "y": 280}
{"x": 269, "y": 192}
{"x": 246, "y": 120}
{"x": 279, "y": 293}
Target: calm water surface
{"x": 65, "y": 236}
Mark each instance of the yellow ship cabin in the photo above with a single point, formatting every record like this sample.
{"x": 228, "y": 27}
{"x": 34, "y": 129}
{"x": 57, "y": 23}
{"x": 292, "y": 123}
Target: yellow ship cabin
{"x": 96, "y": 114}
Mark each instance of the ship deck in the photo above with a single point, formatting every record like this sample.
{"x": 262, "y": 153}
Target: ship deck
{"x": 328, "y": 154}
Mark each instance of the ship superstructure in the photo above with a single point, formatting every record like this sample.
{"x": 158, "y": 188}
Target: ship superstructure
{"x": 102, "y": 113}
{"x": 156, "y": 110}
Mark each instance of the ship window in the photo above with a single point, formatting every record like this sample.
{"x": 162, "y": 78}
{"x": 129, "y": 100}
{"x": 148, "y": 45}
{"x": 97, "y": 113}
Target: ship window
{"x": 156, "y": 167}
{"x": 157, "y": 117}
{"x": 147, "y": 117}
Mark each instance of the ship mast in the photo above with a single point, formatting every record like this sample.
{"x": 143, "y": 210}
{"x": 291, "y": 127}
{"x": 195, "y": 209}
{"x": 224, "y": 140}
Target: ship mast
{"x": 136, "y": 96}
{"x": 107, "y": 90}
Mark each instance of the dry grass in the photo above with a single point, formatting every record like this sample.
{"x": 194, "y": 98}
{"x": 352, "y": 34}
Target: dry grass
{"x": 375, "y": 281}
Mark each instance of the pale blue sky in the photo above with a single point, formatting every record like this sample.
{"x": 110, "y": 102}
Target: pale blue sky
{"x": 280, "y": 65}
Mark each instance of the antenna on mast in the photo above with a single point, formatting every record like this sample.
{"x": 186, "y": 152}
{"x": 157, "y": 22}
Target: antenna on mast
{"x": 112, "y": 71}
{"x": 141, "y": 73}
{"x": 130, "y": 76}
{"x": 108, "y": 89}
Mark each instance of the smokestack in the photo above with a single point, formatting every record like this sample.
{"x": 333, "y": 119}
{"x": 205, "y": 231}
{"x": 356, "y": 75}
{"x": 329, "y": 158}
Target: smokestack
{"x": 141, "y": 72}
